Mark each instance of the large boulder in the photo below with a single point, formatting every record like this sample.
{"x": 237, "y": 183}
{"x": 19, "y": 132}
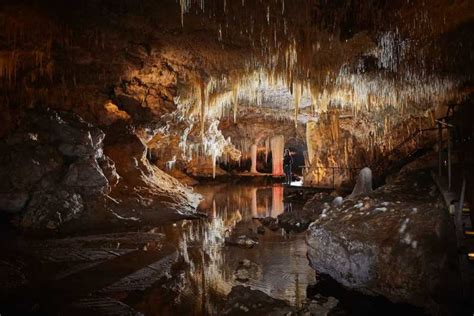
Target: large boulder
{"x": 395, "y": 242}
{"x": 54, "y": 171}
{"x": 48, "y": 166}
{"x": 144, "y": 191}
{"x": 86, "y": 175}
{"x": 52, "y": 209}
{"x": 243, "y": 300}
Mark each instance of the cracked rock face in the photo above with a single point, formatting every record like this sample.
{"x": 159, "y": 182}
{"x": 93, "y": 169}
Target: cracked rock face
{"x": 48, "y": 166}
{"x": 54, "y": 171}
{"x": 394, "y": 242}
{"x": 50, "y": 209}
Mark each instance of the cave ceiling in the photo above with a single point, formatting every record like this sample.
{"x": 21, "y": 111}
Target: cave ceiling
{"x": 301, "y": 56}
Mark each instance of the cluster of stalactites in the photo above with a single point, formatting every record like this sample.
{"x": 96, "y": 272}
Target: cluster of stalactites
{"x": 30, "y": 37}
{"x": 216, "y": 145}
{"x": 351, "y": 91}
{"x": 291, "y": 53}
{"x": 284, "y": 58}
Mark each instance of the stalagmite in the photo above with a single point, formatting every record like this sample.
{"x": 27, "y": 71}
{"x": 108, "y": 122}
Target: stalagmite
{"x": 277, "y": 145}
{"x": 363, "y": 185}
{"x": 253, "y": 154}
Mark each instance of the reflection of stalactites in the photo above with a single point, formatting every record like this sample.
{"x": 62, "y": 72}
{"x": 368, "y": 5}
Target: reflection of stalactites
{"x": 277, "y": 145}
{"x": 277, "y": 201}
{"x": 297, "y": 291}
{"x": 204, "y": 298}
{"x": 253, "y": 206}
{"x": 267, "y": 211}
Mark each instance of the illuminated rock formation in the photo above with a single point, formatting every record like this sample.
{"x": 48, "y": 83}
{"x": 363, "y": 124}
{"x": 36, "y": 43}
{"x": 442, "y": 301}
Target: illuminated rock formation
{"x": 57, "y": 171}
{"x": 253, "y": 154}
{"x": 403, "y": 250}
{"x": 277, "y": 145}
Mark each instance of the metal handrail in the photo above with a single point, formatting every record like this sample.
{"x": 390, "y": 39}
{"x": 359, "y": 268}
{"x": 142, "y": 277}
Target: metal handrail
{"x": 350, "y": 169}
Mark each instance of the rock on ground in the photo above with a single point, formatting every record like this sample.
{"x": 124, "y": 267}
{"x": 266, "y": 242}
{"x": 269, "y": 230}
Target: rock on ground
{"x": 245, "y": 301}
{"x": 396, "y": 242}
{"x": 299, "y": 218}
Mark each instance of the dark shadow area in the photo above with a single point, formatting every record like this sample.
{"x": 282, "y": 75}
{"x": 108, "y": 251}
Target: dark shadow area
{"x": 355, "y": 303}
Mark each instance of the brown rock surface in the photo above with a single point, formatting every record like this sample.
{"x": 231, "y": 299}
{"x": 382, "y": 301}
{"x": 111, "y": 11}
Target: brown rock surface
{"x": 55, "y": 171}
{"x": 395, "y": 242}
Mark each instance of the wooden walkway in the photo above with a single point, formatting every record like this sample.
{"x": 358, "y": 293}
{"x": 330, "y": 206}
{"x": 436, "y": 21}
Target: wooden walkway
{"x": 465, "y": 242}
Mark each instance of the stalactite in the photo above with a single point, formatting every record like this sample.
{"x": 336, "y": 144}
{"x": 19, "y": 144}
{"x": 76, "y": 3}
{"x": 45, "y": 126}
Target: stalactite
{"x": 334, "y": 119}
{"x": 346, "y": 153}
{"x": 267, "y": 148}
{"x": 235, "y": 93}
{"x": 298, "y": 91}
{"x": 8, "y": 66}
{"x": 202, "y": 90}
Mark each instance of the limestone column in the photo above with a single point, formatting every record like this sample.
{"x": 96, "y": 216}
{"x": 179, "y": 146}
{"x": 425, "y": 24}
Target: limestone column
{"x": 253, "y": 155}
{"x": 277, "y": 145}
{"x": 310, "y": 127}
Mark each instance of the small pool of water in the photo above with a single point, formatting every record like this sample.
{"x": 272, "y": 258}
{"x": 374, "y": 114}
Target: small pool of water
{"x": 279, "y": 266}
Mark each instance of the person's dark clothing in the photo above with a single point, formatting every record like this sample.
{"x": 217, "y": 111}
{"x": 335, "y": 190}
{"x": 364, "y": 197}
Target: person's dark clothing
{"x": 287, "y": 162}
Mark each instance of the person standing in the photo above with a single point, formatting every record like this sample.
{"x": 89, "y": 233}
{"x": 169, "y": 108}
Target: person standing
{"x": 287, "y": 163}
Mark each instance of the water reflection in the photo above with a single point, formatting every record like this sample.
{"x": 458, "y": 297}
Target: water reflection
{"x": 208, "y": 271}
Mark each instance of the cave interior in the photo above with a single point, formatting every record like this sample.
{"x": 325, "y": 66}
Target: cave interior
{"x": 237, "y": 157}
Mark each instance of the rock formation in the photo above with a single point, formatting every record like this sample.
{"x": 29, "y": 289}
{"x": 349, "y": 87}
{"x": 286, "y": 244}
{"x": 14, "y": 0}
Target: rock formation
{"x": 363, "y": 186}
{"x": 57, "y": 169}
{"x": 395, "y": 242}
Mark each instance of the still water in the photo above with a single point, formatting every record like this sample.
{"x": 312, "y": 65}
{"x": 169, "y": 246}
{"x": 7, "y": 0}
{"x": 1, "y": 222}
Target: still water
{"x": 207, "y": 272}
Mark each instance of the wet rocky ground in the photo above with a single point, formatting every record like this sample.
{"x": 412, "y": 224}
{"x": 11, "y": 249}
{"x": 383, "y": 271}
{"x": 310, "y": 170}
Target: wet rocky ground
{"x": 226, "y": 264}
{"x": 189, "y": 267}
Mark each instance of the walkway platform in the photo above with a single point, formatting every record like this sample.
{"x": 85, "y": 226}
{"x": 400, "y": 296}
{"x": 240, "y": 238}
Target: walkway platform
{"x": 461, "y": 223}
